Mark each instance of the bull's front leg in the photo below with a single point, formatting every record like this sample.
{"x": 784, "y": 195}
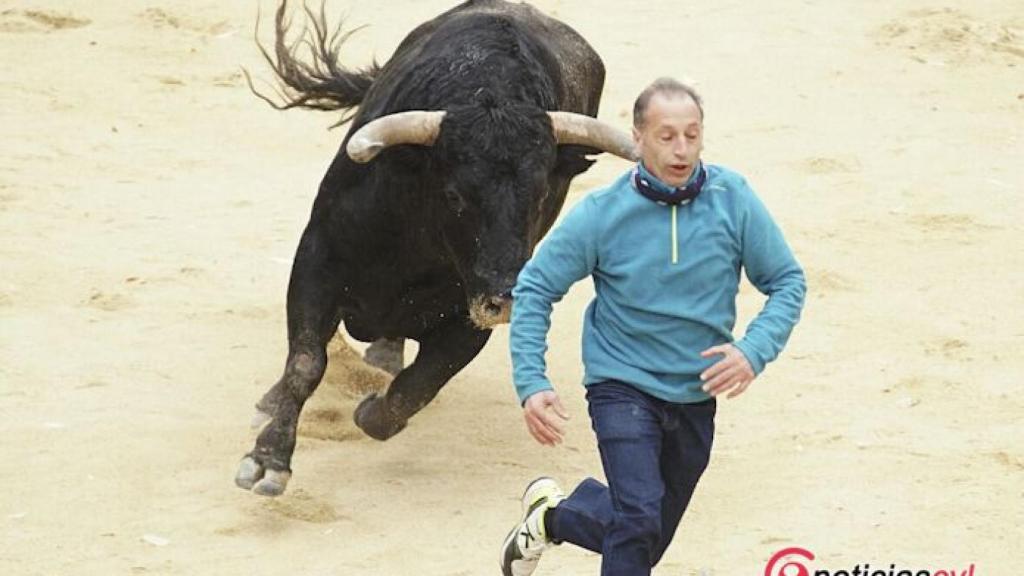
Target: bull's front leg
{"x": 443, "y": 352}
{"x": 313, "y": 318}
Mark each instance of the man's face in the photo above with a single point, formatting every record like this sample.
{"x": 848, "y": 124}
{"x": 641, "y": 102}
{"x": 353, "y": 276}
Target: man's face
{"x": 671, "y": 138}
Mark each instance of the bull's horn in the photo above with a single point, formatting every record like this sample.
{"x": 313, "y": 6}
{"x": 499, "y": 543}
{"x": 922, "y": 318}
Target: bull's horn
{"x": 412, "y": 127}
{"x": 572, "y": 128}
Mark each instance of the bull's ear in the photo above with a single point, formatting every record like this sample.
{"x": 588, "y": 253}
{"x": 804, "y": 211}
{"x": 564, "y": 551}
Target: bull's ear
{"x": 412, "y": 127}
{"x": 572, "y": 128}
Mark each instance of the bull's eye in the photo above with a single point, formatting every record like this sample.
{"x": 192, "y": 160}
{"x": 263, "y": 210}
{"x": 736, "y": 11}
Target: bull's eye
{"x": 454, "y": 199}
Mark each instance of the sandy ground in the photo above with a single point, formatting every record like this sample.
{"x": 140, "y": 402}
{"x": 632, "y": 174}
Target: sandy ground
{"x": 150, "y": 205}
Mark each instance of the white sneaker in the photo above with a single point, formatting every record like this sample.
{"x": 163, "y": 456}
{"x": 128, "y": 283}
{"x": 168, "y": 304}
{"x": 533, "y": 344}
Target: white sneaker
{"x": 523, "y": 546}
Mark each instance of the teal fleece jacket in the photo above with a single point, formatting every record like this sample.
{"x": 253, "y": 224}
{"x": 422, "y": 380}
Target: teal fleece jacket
{"x": 665, "y": 280}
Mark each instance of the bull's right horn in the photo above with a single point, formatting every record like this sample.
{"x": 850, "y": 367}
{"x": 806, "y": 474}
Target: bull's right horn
{"x": 412, "y": 127}
{"x": 572, "y": 128}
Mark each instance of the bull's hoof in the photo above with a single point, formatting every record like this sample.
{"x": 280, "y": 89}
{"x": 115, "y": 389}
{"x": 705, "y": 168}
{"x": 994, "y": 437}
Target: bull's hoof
{"x": 249, "y": 473}
{"x": 273, "y": 483}
{"x": 372, "y": 418}
{"x": 253, "y": 476}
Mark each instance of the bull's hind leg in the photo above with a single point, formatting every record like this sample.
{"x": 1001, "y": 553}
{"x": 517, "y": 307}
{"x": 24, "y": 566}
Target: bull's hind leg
{"x": 312, "y": 320}
{"x": 442, "y": 354}
{"x": 386, "y": 354}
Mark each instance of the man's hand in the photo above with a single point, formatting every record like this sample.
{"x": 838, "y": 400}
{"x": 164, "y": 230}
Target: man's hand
{"x": 730, "y": 374}
{"x": 544, "y": 416}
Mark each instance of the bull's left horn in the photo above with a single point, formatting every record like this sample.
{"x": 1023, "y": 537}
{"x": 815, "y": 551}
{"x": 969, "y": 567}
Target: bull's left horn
{"x": 412, "y": 127}
{"x": 572, "y": 128}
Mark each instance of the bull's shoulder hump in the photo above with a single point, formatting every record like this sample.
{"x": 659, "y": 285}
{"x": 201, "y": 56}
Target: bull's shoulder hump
{"x": 528, "y": 15}
{"x": 467, "y": 8}
{"x": 519, "y": 9}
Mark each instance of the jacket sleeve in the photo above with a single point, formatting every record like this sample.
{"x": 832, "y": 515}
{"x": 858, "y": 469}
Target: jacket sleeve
{"x": 772, "y": 269}
{"x": 567, "y": 255}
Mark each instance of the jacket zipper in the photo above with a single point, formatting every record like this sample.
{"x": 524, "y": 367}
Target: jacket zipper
{"x": 675, "y": 238}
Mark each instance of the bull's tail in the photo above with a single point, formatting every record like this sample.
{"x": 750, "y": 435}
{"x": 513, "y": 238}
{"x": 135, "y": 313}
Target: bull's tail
{"x": 321, "y": 84}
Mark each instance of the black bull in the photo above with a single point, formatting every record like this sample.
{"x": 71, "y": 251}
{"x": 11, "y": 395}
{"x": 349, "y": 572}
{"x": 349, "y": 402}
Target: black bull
{"x": 456, "y": 164}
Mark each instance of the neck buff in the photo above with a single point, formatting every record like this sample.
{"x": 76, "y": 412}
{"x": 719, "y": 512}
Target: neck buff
{"x": 657, "y": 191}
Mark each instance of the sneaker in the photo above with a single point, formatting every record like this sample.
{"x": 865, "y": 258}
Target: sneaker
{"x": 523, "y": 546}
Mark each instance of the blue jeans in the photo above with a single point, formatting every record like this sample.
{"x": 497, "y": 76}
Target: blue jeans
{"x": 653, "y": 453}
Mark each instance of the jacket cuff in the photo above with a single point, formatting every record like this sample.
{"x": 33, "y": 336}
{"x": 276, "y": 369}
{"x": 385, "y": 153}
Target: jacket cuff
{"x": 526, "y": 390}
{"x": 750, "y": 352}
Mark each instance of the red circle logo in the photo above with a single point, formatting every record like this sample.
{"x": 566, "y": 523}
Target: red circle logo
{"x": 790, "y": 567}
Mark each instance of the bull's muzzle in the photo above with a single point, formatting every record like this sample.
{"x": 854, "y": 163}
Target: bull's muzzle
{"x": 486, "y": 312}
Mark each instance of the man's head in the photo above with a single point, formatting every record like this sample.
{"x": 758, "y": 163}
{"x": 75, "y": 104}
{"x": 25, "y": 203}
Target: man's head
{"x": 668, "y": 128}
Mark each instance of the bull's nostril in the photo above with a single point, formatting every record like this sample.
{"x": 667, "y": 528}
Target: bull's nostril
{"x": 496, "y": 304}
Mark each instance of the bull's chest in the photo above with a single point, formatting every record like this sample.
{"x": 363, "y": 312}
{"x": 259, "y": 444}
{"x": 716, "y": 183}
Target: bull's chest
{"x": 389, "y": 301}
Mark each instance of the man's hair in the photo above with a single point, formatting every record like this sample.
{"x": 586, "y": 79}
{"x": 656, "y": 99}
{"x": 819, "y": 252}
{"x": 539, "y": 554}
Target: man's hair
{"x": 669, "y": 87}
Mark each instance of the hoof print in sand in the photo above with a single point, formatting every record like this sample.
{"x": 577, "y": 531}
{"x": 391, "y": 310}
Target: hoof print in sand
{"x": 822, "y": 165}
{"x": 38, "y": 21}
{"x": 108, "y": 301}
{"x": 159, "y": 18}
{"x": 950, "y": 348}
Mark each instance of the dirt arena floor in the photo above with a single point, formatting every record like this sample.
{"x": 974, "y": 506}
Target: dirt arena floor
{"x": 150, "y": 206}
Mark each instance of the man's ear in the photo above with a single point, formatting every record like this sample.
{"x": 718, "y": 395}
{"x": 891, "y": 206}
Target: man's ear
{"x": 636, "y": 140}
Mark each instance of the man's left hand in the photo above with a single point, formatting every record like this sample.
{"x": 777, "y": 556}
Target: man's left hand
{"x": 731, "y": 374}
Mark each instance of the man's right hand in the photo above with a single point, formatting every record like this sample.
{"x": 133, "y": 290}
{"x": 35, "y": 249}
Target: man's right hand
{"x": 544, "y": 416}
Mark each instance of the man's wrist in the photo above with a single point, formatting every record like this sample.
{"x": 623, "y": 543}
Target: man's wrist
{"x": 526, "y": 390}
